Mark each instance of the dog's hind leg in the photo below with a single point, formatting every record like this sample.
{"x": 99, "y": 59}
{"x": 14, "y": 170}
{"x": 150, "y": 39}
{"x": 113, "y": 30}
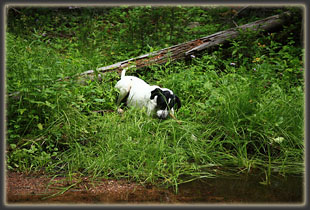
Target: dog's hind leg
{"x": 122, "y": 98}
{"x": 123, "y": 94}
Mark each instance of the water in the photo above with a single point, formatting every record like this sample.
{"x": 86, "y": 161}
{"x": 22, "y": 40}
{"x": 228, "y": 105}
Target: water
{"x": 245, "y": 189}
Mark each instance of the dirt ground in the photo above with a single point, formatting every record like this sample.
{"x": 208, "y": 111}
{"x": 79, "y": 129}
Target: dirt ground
{"x": 22, "y": 188}
{"x": 38, "y": 188}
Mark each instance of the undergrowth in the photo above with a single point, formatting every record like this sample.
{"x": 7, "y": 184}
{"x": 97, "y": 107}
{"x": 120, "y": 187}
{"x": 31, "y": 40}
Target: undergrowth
{"x": 242, "y": 105}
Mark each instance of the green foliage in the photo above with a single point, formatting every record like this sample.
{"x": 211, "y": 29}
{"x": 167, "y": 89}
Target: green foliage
{"x": 242, "y": 104}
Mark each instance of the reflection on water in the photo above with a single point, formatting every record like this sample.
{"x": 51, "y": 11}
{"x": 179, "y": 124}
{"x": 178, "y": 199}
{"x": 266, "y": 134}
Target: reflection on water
{"x": 244, "y": 189}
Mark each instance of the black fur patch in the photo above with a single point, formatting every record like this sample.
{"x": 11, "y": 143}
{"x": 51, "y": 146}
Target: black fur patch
{"x": 163, "y": 101}
{"x": 123, "y": 102}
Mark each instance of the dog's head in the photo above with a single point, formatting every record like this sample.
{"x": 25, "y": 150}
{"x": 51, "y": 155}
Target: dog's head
{"x": 165, "y": 101}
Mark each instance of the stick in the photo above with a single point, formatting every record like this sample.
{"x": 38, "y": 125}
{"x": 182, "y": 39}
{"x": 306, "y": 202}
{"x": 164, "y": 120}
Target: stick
{"x": 172, "y": 115}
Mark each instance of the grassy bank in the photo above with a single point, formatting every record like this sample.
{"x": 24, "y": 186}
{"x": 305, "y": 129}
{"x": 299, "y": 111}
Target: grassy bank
{"x": 242, "y": 105}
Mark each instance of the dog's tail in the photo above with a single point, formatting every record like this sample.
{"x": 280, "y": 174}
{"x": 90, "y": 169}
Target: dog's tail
{"x": 123, "y": 73}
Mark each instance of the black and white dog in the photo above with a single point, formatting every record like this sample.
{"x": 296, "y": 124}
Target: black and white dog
{"x": 136, "y": 92}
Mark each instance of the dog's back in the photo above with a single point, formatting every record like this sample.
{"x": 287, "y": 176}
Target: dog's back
{"x": 127, "y": 82}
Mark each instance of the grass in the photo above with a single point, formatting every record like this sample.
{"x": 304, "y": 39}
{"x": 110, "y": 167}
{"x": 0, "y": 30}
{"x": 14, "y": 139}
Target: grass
{"x": 242, "y": 110}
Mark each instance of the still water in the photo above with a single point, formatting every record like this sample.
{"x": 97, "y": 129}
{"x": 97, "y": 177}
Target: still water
{"x": 245, "y": 189}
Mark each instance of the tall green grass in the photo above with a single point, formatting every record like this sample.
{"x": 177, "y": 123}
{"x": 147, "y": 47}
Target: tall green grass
{"x": 242, "y": 112}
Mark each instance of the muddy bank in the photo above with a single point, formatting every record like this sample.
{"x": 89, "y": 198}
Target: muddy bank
{"x": 36, "y": 189}
{"x": 22, "y": 188}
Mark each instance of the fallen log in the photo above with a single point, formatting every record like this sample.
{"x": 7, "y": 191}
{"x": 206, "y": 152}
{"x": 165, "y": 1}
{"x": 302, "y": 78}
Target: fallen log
{"x": 192, "y": 47}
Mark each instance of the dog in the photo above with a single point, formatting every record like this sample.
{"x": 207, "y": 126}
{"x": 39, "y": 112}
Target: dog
{"x": 158, "y": 101}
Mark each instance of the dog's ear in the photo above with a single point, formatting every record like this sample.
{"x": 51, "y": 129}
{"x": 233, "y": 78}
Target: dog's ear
{"x": 178, "y": 101}
{"x": 155, "y": 92}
